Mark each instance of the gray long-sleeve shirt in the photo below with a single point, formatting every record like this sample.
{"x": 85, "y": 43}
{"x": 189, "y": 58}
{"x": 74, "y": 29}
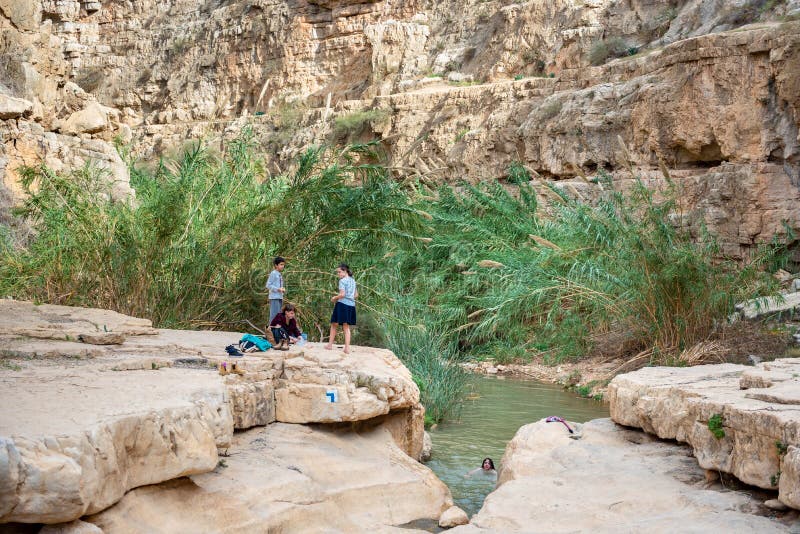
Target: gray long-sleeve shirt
{"x": 274, "y": 283}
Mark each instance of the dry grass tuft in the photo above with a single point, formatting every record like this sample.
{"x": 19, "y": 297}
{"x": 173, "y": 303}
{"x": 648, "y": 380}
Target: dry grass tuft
{"x": 702, "y": 353}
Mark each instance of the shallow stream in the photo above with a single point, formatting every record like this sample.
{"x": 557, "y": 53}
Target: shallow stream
{"x": 497, "y": 408}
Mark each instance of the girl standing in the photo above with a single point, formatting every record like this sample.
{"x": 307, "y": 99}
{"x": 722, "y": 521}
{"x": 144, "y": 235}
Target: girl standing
{"x": 344, "y": 311}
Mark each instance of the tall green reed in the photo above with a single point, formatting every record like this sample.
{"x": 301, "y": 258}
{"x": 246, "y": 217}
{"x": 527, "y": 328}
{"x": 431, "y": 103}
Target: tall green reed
{"x": 473, "y": 271}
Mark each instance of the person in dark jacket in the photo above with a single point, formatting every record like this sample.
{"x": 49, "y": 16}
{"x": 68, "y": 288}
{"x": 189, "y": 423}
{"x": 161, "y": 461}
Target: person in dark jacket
{"x": 285, "y": 328}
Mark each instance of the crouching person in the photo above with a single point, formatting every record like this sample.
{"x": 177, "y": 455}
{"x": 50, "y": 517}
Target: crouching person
{"x": 285, "y": 328}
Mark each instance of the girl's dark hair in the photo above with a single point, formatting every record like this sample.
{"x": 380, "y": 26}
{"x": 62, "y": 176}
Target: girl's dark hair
{"x": 490, "y": 462}
{"x": 288, "y": 307}
{"x": 346, "y": 268}
{"x": 278, "y": 260}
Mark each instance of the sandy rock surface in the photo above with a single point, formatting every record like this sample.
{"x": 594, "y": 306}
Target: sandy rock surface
{"x": 758, "y": 410}
{"x": 610, "y": 480}
{"x": 290, "y": 478}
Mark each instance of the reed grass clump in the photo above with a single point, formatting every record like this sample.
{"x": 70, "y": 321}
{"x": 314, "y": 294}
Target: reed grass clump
{"x": 473, "y": 271}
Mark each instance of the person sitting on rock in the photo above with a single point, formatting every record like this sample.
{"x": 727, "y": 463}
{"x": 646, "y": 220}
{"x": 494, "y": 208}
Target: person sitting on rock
{"x": 285, "y": 328}
{"x": 486, "y": 468}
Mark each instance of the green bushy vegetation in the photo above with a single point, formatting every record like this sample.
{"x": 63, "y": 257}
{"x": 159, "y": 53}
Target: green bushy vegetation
{"x": 473, "y": 271}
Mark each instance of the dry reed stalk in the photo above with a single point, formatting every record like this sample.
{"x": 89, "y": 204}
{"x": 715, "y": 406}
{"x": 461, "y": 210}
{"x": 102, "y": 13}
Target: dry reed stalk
{"x": 490, "y": 264}
{"x": 544, "y": 242}
{"x": 637, "y": 362}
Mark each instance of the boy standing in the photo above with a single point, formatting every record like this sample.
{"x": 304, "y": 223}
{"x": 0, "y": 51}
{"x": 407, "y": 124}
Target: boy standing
{"x": 275, "y": 287}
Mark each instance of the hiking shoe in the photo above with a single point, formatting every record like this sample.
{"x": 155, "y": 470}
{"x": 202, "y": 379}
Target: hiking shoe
{"x": 233, "y": 351}
{"x": 223, "y": 368}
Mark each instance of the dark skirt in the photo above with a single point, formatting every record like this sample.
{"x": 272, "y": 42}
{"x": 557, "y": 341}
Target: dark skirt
{"x": 343, "y": 314}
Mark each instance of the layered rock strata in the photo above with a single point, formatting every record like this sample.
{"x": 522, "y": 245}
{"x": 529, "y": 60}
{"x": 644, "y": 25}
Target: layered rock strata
{"x": 737, "y": 419}
{"x": 102, "y": 419}
{"x": 608, "y": 479}
{"x": 710, "y": 91}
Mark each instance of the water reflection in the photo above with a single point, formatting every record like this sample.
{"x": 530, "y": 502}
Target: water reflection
{"x": 488, "y": 422}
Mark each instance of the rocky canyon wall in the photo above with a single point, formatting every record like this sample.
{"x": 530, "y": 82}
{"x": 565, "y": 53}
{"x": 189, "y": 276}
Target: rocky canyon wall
{"x": 454, "y": 90}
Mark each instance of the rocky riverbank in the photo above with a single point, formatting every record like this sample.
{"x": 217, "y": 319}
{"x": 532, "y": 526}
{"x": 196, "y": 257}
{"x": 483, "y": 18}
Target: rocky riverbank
{"x": 104, "y": 404}
{"x": 729, "y": 421}
{"x": 116, "y": 426}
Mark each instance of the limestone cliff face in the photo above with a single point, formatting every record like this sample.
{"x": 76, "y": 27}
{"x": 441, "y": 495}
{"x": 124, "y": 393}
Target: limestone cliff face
{"x": 45, "y": 114}
{"x": 707, "y": 88}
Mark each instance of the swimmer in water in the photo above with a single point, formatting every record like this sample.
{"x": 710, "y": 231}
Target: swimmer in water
{"x": 486, "y": 468}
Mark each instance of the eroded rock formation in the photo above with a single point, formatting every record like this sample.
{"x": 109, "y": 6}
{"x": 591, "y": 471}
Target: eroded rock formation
{"x": 102, "y": 419}
{"x": 609, "y": 479}
{"x": 739, "y": 420}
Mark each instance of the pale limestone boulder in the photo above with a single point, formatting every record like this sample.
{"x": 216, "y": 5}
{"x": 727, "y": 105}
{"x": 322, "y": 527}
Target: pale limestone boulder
{"x": 252, "y": 399}
{"x": 453, "y": 517}
{"x": 771, "y": 305}
{"x": 11, "y": 108}
{"x": 677, "y": 403}
{"x": 47, "y": 321}
{"x": 610, "y": 480}
{"x": 328, "y": 386}
{"x": 290, "y": 478}
{"x": 91, "y": 119}
{"x": 306, "y": 403}
{"x": 89, "y": 436}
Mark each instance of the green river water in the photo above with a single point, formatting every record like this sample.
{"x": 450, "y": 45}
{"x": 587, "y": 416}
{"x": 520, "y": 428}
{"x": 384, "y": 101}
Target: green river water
{"x": 488, "y": 422}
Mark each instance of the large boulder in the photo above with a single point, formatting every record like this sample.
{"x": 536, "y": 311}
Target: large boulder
{"x": 330, "y": 387}
{"x": 739, "y": 420}
{"x": 47, "y": 321}
{"x": 290, "y": 478}
{"x": 77, "y": 438}
{"x": 91, "y": 119}
{"x": 92, "y": 421}
{"x": 610, "y": 479}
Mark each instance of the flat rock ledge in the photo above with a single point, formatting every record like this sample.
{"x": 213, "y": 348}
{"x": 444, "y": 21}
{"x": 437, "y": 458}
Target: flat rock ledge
{"x": 84, "y": 423}
{"x": 755, "y": 412}
{"x": 610, "y": 479}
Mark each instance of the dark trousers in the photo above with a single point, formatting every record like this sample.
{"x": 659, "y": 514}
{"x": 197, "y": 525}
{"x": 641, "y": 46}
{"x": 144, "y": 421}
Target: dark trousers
{"x": 279, "y": 333}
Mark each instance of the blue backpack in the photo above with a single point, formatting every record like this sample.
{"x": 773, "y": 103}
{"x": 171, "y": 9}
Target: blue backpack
{"x": 251, "y": 340}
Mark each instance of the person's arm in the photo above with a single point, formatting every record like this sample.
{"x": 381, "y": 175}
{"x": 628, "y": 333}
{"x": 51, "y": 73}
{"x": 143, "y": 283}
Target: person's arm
{"x": 293, "y": 328}
{"x": 278, "y": 320}
{"x": 341, "y": 292}
{"x": 470, "y": 473}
